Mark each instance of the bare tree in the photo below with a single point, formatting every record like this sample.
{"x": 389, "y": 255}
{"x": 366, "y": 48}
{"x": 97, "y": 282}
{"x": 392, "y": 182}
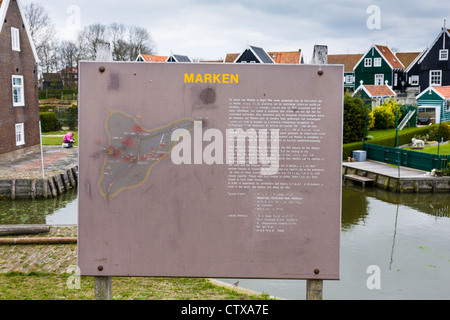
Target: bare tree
{"x": 126, "y": 41}
{"x": 69, "y": 55}
{"x": 41, "y": 30}
{"x": 49, "y": 56}
{"x": 139, "y": 41}
{"x": 89, "y": 37}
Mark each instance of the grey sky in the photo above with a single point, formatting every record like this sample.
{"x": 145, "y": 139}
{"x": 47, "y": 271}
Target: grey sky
{"x": 210, "y": 29}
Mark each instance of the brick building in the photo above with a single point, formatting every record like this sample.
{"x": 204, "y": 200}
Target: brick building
{"x": 19, "y": 103}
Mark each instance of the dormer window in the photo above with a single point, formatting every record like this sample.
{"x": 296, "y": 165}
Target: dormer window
{"x": 15, "y": 39}
{"x": 443, "y": 54}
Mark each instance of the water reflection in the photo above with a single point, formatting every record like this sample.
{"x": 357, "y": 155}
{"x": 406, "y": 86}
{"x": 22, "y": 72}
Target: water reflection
{"x": 39, "y": 211}
{"x": 406, "y": 236}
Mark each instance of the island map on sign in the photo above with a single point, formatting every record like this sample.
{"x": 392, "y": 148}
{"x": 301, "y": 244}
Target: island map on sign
{"x": 133, "y": 151}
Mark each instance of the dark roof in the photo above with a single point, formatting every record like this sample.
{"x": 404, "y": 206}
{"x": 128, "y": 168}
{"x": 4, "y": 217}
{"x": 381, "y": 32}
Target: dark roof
{"x": 180, "y": 58}
{"x": 262, "y": 55}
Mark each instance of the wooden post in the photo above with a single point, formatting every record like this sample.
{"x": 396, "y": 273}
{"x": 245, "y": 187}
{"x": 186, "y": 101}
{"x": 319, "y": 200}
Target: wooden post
{"x": 314, "y": 289}
{"x": 102, "y": 288}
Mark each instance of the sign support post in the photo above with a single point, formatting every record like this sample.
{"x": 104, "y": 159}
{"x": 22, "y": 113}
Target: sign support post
{"x": 102, "y": 288}
{"x": 102, "y": 285}
{"x": 314, "y": 289}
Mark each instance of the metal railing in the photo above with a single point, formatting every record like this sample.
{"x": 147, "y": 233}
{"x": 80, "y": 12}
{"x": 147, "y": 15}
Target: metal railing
{"x": 406, "y": 158}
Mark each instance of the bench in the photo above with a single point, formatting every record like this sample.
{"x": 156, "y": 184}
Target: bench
{"x": 358, "y": 178}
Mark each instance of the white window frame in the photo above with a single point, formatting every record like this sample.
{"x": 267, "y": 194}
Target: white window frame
{"x": 414, "y": 80}
{"x": 380, "y": 76}
{"x": 21, "y": 101}
{"x": 20, "y": 134}
{"x": 447, "y": 107}
{"x": 377, "y": 62}
{"x": 367, "y": 62}
{"x": 15, "y": 39}
{"x": 435, "y": 75}
{"x": 443, "y": 54}
{"x": 349, "y": 78}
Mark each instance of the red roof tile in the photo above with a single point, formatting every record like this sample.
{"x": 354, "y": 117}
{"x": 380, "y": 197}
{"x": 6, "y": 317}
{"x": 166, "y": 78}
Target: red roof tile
{"x": 292, "y": 57}
{"x": 379, "y": 90}
{"x": 348, "y": 60}
{"x": 152, "y": 58}
{"x": 390, "y": 57}
{"x": 444, "y": 91}
{"x": 230, "y": 57}
{"x": 406, "y": 58}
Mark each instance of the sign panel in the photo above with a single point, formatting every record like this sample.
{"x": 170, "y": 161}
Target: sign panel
{"x": 210, "y": 170}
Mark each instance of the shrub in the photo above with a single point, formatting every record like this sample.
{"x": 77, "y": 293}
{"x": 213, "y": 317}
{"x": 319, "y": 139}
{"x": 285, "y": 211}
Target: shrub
{"x": 386, "y": 114}
{"x": 68, "y": 116}
{"x": 347, "y": 149}
{"x": 49, "y": 121}
{"x": 445, "y": 131}
{"x": 354, "y": 118}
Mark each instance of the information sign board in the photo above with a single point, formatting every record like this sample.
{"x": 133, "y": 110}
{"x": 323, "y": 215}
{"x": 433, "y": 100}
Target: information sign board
{"x": 210, "y": 170}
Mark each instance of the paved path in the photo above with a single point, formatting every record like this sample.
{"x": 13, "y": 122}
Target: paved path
{"x": 40, "y": 257}
{"x": 29, "y": 166}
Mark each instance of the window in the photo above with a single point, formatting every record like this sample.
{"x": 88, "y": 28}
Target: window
{"x": 367, "y": 62}
{"x": 414, "y": 80}
{"x": 15, "y": 39}
{"x": 447, "y": 108}
{"x": 379, "y": 79}
{"x": 18, "y": 93}
{"x": 20, "y": 134}
{"x": 435, "y": 77}
{"x": 349, "y": 79}
{"x": 377, "y": 62}
{"x": 443, "y": 54}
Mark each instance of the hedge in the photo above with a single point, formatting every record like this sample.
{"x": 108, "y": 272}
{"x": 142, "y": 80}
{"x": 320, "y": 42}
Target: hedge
{"x": 404, "y": 137}
{"x": 49, "y": 121}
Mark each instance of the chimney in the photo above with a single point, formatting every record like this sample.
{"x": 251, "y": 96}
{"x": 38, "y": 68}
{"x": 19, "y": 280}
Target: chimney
{"x": 320, "y": 55}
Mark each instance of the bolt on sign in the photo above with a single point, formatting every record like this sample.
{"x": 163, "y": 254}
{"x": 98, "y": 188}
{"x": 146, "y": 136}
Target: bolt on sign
{"x": 210, "y": 170}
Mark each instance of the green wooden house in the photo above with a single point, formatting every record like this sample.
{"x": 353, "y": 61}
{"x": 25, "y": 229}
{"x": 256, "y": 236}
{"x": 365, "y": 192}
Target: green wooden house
{"x": 434, "y": 105}
{"x": 349, "y": 61}
{"x": 379, "y": 65}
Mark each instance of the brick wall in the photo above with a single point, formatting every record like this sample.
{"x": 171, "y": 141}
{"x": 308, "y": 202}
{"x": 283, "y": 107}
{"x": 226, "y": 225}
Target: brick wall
{"x": 17, "y": 63}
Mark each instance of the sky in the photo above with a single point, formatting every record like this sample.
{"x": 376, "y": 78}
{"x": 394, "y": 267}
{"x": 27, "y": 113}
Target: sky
{"x": 209, "y": 29}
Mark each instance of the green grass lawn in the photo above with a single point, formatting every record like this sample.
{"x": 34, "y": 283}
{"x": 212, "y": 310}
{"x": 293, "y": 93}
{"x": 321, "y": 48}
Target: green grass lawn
{"x": 48, "y": 140}
{"x": 387, "y": 132}
{"x": 43, "y": 286}
{"x": 443, "y": 149}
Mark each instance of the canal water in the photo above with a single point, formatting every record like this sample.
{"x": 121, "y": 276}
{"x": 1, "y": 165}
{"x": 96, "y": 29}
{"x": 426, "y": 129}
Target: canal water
{"x": 393, "y": 246}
